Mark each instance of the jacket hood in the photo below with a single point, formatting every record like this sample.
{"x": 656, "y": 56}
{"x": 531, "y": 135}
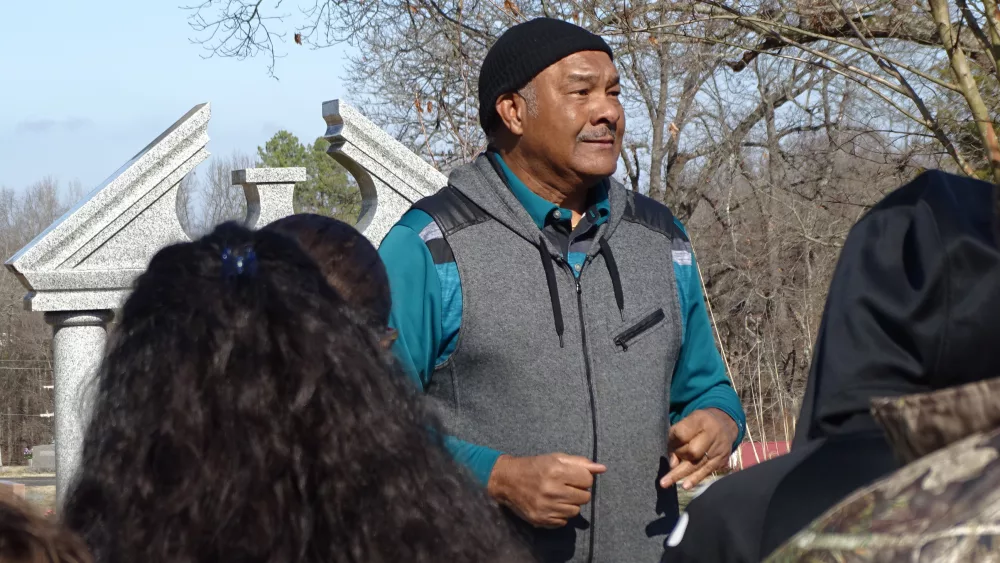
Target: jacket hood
{"x": 913, "y": 306}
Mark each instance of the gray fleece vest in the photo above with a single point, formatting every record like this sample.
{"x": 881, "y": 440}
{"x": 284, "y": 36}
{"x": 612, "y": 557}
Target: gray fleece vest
{"x": 603, "y": 393}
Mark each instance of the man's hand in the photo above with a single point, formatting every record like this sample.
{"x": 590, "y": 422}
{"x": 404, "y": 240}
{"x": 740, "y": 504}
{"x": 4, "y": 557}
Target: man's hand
{"x": 545, "y": 490}
{"x": 700, "y": 444}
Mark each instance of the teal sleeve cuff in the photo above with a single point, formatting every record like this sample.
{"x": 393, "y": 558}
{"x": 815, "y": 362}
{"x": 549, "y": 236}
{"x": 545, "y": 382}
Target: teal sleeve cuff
{"x": 478, "y": 459}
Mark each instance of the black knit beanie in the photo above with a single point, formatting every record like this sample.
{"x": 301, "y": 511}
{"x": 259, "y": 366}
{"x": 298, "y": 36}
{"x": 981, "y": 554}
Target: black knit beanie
{"x": 522, "y": 52}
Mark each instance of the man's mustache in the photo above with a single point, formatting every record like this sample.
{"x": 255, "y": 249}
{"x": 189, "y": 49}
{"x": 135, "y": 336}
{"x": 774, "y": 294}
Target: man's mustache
{"x": 598, "y": 134}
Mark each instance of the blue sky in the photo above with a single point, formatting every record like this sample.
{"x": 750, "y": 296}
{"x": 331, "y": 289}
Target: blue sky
{"x": 85, "y": 85}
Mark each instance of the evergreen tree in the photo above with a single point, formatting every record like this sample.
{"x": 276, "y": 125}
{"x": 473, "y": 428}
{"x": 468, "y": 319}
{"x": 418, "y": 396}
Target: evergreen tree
{"x": 329, "y": 189}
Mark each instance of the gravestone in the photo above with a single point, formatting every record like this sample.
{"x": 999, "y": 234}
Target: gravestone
{"x": 81, "y": 268}
{"x": 43, "y": 458}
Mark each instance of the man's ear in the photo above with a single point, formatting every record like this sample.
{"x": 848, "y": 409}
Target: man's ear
{"x": 511, "y": 109}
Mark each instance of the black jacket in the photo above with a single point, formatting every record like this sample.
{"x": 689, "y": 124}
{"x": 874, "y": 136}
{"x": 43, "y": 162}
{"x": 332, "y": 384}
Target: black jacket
{"x": 904, "y": 314}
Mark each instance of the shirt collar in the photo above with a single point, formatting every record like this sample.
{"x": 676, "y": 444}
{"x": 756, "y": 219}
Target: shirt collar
{"x": 541, "y": 210}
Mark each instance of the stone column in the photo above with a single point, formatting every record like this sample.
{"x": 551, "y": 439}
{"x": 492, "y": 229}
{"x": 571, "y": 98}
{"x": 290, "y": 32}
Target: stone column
{"x": 78, "y": 348}
{"x": 270, "y": 193}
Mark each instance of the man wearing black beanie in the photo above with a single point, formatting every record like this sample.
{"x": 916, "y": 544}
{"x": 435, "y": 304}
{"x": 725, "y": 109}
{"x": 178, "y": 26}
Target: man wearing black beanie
{"x": 555, "y": 319}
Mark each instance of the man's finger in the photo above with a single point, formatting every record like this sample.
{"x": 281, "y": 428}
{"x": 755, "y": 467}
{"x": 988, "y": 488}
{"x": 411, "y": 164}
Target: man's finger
{"x": 684, "y": 431}
{"x": 704, "y": 471}
{"x": 555, "y": 516}
{"x": 573, "y": 496}
{"x": 682, "y": 470}
{"x": 563, "y": 510}
{"x": 583, "y": 462}
{"x": 578, "y": 478}
{"x": 674, "y": 460}
{"x": 553, "y": 523}
{"x": 695, "y": 450}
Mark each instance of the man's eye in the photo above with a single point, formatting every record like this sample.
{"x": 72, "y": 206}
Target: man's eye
{"x": 615, "y": 93}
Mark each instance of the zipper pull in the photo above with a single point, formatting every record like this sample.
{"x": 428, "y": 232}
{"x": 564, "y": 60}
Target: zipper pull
{"x": 579, "y": 289}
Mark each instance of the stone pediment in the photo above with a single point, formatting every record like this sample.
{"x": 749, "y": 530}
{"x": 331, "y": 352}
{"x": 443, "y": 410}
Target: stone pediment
{"x": 89, "y": 257}
{"x": 391, "y": 177}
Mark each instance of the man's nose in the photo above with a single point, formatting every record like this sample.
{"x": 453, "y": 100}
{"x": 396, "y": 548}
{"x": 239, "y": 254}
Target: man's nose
{"x": 607, "y": 110}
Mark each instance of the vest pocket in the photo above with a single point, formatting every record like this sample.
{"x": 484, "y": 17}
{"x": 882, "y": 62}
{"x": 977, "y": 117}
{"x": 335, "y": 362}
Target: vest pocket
{"x": 626, "y": 337}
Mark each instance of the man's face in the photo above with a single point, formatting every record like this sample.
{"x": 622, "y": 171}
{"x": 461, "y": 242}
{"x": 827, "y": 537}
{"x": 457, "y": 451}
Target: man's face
{"x": 579, "y": 122}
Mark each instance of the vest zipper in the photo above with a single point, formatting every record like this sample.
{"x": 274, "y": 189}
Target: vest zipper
{"x": 633, "y": 332}
{"x": 593, "y": 416}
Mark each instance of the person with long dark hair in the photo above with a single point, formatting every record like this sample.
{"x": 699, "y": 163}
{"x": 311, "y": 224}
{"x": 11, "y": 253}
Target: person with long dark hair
{"x": 244, "y": 413}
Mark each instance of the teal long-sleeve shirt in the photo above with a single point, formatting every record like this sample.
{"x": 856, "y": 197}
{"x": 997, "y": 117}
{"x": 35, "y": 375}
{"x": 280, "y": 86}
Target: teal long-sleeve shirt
{"x": 427, "y": 314}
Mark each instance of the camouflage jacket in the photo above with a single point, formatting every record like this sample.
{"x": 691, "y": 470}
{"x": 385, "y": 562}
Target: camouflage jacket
{"x": 944, "y": 505}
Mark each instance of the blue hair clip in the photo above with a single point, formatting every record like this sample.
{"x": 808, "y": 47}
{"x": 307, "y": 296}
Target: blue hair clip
{"x": 237, "y": 263}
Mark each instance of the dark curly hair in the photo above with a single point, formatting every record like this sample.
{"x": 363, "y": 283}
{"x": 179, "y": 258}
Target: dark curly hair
{"x": 252, "y": 417}
{"x": 346, "y": 258}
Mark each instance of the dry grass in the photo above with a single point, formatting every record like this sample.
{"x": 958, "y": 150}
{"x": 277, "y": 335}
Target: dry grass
{"x": 23, "y": 471}
{"x": 43, "y": 498}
